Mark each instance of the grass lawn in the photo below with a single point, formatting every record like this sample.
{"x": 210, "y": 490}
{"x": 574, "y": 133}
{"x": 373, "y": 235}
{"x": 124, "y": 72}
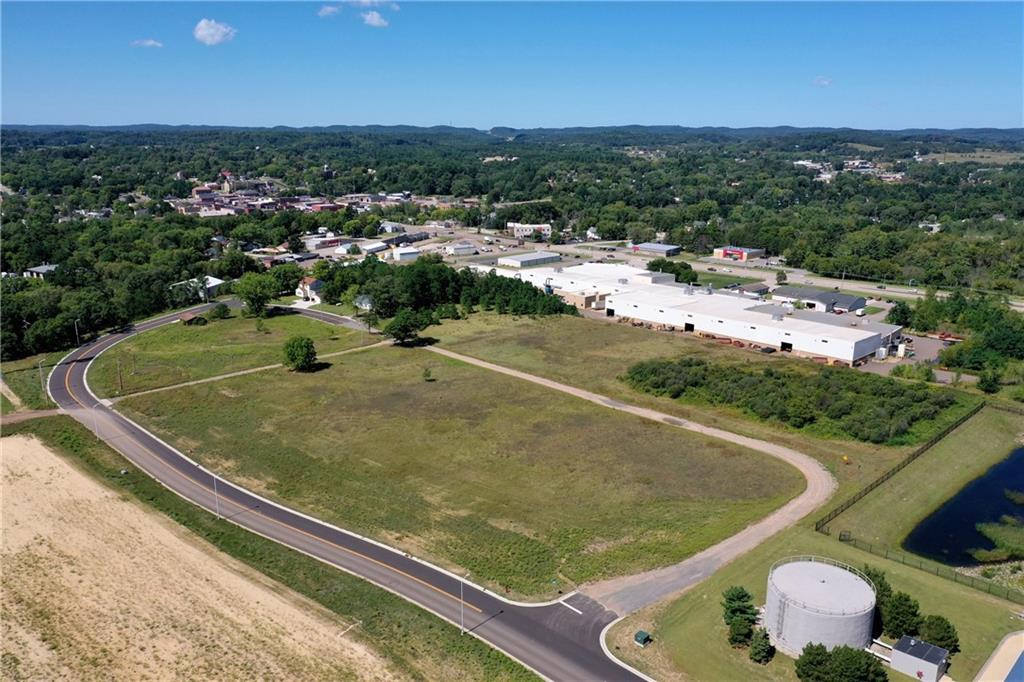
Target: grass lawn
{"x": 22, "y": 377}
{"x": 720, "y": 280}
{"x": 888, "y": 514}
{"x": 592, "y": 354}
{"x": 176, "y": 353}
{"x": 6, "y": 406}
{"x": 690, "y": 637}
{"x": 872, "y": 309}
{"x": 421, "y": 645}
{"x": 531, "y": 490}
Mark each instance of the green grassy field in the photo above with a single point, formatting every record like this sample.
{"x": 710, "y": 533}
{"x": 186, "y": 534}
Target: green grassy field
{"x": 872, "y": 309}
{"x": 888, "y": 514}
{"x": 420, "y": 645}
{"x": 22, "y": 377}
{"x": 177, "y": 353}
{"x": 592, "y": 354}
{"x": 531, "y": 490}
{"x": 690, "y": 637}
{"x": 6, "y": 406}
{"x": 721, "y": 280}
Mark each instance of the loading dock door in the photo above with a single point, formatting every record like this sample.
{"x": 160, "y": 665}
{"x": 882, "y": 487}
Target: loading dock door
{"x": 688, "y": 327}
{"x": 609, "y": 312}
{"x": 786, "y": 347}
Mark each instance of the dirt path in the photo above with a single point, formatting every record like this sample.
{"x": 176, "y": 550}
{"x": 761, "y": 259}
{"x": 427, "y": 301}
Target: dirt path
{"x": 11, "y": 395}
{"x": 630, "y": 593}
{"x": 26, "y": 415}
{"x": 243, "y": 372}
{"x": 99, "y": 587}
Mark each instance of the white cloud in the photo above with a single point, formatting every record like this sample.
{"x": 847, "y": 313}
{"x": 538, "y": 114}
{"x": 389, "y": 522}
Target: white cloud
{"x": 374, "y": 18}
{"x": 821, "y": 81}
{"x": 393, "y": 6}
{"x": 327, "y": 10}
{"x": 146, "y": 42}
{"x": 210, "y": 32}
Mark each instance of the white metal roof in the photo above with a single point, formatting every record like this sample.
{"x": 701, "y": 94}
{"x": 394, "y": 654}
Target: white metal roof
{"x": 823, "y": 587}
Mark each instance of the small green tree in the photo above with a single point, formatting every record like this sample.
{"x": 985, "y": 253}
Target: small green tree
{"x": 300, "y": 354}
{"x": 740, "y": 633}
{"x": 780, "y": 277}
{"x": 354, "y": 250}
{"x": 761, "y": 649}
{"x": 370, "y": 319}
{"x": 738, "y": 605}
{"x": 901, "y": 616}
{"x": 939, "y": 631}
{"x": 813, "y": 663}
{"x": 257, "y": 290}
{"x": 900, "y": 313}
{"x": 427, "y": 374}
{"x": 855, "y": 665}
{"x": 404, "y": 327}
{"x": 220, "y": 312}
{"x": 988, "y": 381}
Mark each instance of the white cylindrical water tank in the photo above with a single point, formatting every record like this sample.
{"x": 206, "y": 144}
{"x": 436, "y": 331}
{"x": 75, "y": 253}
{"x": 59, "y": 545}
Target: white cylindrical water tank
{"x": 820, "y": 601}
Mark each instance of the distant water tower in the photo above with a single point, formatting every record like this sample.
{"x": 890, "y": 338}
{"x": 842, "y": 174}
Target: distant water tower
{"x": 820, "y": 601}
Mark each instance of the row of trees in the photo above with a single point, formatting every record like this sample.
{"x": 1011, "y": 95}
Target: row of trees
{"x": 837, "y": 400}
{"x": 740, "y": 615}
{"x": 900, "y": 614}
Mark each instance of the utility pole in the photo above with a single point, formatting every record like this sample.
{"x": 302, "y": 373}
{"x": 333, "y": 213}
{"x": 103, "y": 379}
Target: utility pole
{"x": 78, "y": 341}
{"x": 42, "y": 384}
{"x": 120, "y": 379}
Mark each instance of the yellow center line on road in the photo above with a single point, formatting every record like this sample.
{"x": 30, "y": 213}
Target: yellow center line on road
{"x": 67, "y": 385}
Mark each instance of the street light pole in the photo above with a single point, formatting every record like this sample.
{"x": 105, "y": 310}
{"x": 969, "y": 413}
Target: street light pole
{"x": 42, "y": 384}
{"x": 78, "y": 341}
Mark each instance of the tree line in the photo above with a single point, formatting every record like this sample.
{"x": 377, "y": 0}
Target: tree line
{"x": 834, "y": 401}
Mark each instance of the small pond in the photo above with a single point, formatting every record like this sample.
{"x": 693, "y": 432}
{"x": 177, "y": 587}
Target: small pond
{"x": 949, "y": 532}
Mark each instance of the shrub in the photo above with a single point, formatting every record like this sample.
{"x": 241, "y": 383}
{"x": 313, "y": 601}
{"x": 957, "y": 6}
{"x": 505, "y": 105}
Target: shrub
{"x": 901, "y": 616}
{"x": 740, "y": 633}
{"x": 761, "y": 649}
{"x": 220, "y": 312}
{"x": 738, "y": 605}
{"x": 939, "y": 631}
{"x": 300, "y": 353}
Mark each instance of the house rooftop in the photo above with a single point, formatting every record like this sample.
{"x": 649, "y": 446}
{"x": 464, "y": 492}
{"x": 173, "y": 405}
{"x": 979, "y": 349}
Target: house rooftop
{"x": 921, "y": 649}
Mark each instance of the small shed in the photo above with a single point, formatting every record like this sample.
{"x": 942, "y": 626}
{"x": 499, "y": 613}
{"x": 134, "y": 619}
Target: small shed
{"x": 919, "y": 659}
{"x": 642, "y": 638}
{"x": 191, "y": 319}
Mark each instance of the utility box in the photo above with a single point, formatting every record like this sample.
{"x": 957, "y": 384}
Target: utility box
{"x": 642, "y": 638}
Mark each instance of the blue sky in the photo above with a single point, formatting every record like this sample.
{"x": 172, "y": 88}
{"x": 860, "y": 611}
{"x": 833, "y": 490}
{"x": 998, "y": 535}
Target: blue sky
{"x": 484, "y": 64}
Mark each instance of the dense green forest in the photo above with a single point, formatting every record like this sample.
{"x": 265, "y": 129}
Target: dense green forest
{"x": 701, "y": 187}
{"x": 836, "y": 401}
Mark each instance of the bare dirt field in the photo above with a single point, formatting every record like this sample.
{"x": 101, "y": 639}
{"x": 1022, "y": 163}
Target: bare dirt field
{"x": 98, "y": 587}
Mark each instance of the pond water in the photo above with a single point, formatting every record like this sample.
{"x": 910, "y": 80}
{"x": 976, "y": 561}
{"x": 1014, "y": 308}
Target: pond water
{"x": 949, "y": 532}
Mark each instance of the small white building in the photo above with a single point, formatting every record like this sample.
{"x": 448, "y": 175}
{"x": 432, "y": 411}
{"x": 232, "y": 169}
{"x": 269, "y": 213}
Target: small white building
{"x": 40, "y": 271}
{"x": 526, "y": 230}
{"x": 526, "y": 260}
{"x": 405, "y": 254}
{"x": 309, "y": 289}
{"x": 460, "y": 249}
{"x": 373, "y": 247}
{"x": 919, "y": 659}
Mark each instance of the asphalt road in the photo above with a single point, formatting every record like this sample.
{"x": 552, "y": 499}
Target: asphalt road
{"x": 559, "y": 641}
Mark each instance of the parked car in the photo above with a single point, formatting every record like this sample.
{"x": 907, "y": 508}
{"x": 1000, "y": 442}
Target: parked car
{"x": 712, "y": 269}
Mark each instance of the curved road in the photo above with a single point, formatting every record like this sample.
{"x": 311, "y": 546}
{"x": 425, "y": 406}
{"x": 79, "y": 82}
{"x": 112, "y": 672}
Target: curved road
{"x": 559, "y": 640}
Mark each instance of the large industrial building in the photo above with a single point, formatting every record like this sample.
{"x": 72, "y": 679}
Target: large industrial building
{"x": 655, "y": 298}
{"x": 530, "y": 259}
{"x": 812, "y": 600}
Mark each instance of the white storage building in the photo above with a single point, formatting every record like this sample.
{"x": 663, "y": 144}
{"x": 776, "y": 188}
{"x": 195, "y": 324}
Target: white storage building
{"x": 625, "y": 291}
{"x": 460, "y": 249}
{"x": 919, "y": 659}
{"x": 405, "y": 254}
